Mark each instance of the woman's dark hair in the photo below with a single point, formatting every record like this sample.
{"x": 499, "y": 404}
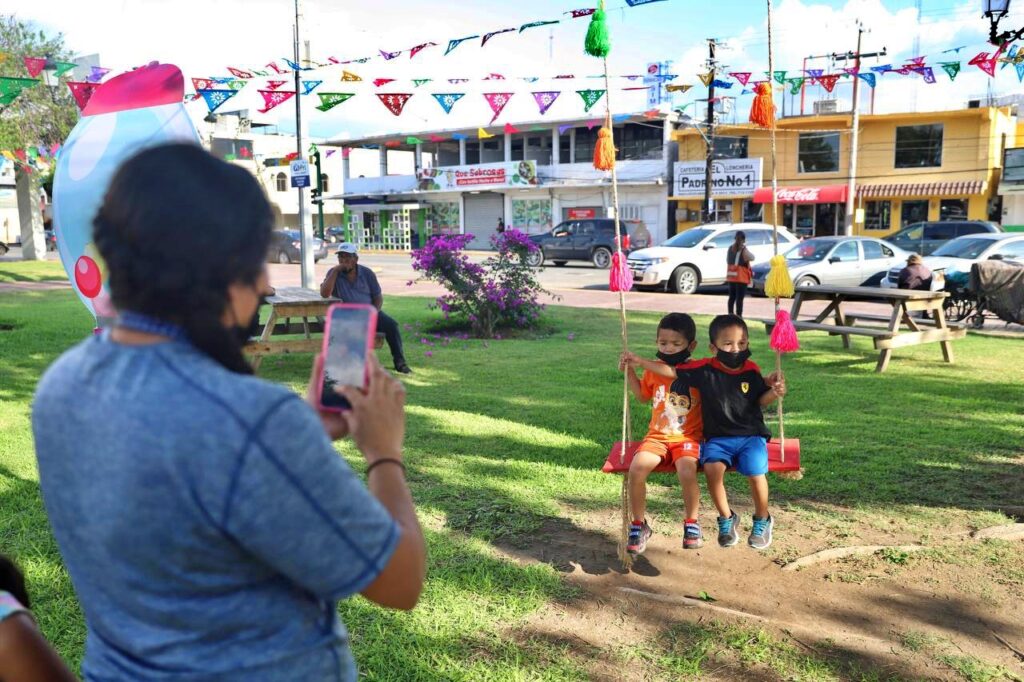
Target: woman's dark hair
{"x": 11, "y": 580}
{"x": 680, "y": 322}
{"x": 740, "y": 235}
{"x": 176, "y": 228}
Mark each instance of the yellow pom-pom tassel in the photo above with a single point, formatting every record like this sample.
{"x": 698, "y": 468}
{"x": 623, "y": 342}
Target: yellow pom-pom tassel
{"x": 778, "y": 284}
{"x": 604, "y": 150}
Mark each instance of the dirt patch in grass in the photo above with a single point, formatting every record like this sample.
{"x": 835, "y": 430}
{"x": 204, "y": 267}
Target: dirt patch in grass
{"x": 890, "y": 615}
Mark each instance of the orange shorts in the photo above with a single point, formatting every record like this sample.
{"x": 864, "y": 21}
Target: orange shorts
{"x": 670, "y": 451}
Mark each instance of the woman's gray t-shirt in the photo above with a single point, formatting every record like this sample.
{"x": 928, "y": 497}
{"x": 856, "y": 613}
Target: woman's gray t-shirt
{"x": 206, "y": 520}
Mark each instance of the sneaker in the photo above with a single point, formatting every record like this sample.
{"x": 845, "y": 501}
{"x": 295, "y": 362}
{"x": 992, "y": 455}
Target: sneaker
{"x": 727, "y": 534}
{"x": 692, "y": 537}
{"x": 761, "y": 533}
{"x": 402, "y": 367}
{"x": 639, "y": 534}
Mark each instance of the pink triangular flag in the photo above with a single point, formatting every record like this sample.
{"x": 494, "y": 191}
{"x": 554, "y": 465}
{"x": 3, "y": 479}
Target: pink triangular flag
{"x": 35, "y": 65}
{"x": 741, "y": 76}
{"x": 272, "y": 98}
{"x": 497, "y": 100}
{"x": 82, "y": 92}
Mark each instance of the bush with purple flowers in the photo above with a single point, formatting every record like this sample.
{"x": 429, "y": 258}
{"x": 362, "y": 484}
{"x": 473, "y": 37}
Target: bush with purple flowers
{"x": 500, "y": 292}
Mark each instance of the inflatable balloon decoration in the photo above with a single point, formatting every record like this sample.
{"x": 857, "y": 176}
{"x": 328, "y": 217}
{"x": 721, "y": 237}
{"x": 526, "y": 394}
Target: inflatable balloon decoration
{"x": 130, "y": 112}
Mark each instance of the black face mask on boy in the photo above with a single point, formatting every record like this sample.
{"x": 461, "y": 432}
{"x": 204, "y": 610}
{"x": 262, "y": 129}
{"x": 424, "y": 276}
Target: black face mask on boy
{"x": 733, "y": 360}
{"x": 673, "y": 358}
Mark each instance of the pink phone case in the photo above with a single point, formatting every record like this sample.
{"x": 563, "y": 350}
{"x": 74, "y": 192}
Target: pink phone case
{"x": 370, "y": 336}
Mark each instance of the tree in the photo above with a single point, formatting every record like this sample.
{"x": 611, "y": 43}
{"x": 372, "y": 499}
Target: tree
{"x": 41, "y": 115}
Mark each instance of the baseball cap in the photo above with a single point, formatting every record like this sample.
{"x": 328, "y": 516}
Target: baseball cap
{"x": 347, "y": 247}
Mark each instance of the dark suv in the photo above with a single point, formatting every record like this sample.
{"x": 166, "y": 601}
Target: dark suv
{"x": 285, "y": 247}
{"x": 924, "y": 238}
{"x": 592, "y": 239}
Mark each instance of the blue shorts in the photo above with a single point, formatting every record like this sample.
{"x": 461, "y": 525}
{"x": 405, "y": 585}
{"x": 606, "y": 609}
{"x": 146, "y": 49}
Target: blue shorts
{"x": 747, "y": 454}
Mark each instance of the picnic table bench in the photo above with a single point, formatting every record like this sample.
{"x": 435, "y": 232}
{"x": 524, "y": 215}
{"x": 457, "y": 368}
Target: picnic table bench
{"x": 900, "y": 329}
{"x": 288, "y": 303}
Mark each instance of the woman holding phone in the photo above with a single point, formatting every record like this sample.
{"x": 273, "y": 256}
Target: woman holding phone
{"x": 206, "y": 520}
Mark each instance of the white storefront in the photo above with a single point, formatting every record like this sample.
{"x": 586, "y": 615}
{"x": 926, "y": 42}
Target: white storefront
{"x": 1011, "y": 189}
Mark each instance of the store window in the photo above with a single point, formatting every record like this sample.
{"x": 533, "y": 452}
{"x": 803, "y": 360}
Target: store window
{"x": 639, "y": 141}
{"x": 564, "y": 148}
{"x": 819, "y": 153}
{"x": 518, "y": 144}
{"x": 953, "y": 209}
{"x": 919, "y": 146}
{"x": 913, "y": 212}
{"x": 752, "y": 213}
{"x": 877, "y": 215}
{"x": 281, "y": 182}
{"x": 585, "y": 141}
{"x": 725, "y": 147}
{"x": 472, "y": 152}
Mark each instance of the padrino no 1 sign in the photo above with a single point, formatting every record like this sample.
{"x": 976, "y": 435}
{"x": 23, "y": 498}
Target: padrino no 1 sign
{"x": 729, "y": 177}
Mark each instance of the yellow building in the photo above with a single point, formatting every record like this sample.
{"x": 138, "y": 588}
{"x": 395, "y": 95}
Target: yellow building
{"x": 911, "y": 167}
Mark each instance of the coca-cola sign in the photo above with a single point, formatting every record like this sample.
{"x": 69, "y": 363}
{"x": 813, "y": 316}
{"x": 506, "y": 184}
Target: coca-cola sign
{"x": 729, "y": 178}
{"x": 800, "y": 195}
{"x": 825, "y": 194}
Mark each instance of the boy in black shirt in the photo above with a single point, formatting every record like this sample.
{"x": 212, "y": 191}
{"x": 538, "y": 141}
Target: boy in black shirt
{"x": 732, "y": 394}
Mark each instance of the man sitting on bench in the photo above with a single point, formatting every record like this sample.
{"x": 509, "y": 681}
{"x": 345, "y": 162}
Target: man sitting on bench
{"x": 355, "y": 283}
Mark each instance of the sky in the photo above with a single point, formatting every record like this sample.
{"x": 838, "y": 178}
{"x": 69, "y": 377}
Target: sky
{"x": 204, "y": 38}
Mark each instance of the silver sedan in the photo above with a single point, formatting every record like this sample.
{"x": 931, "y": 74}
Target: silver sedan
{"x": 837, "y": 261}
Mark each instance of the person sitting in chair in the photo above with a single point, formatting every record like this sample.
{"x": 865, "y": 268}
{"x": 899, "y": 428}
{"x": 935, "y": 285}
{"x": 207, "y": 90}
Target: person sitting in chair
{"x": 355, "y": 283}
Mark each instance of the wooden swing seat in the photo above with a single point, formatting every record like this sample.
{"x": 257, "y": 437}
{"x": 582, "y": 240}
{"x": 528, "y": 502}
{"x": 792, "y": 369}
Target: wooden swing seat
{"x": 775, "y": 461}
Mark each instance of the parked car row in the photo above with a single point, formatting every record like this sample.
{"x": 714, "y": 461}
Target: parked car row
{"x": 961, "y": 253}
{"x": 286, "y": 247}
{"x": 587, "y": 240}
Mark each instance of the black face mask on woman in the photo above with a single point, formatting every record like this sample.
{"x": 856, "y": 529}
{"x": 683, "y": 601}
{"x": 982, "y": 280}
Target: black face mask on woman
{"x": 673, "y": 358}
{"x": 733, "y": 360}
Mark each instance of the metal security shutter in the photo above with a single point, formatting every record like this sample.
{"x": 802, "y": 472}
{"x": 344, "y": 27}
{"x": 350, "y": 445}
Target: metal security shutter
{"x": 482, "y": 213}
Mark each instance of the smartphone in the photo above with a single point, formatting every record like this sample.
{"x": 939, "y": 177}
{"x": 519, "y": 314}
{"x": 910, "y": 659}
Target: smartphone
{"x": 348, "y": 342}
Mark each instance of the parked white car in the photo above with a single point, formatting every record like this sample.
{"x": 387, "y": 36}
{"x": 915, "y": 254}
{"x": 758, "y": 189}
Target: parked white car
{"x": 961, "y": 253}
{"x": 696, "y": 257}
{"x": 837, "y": 261}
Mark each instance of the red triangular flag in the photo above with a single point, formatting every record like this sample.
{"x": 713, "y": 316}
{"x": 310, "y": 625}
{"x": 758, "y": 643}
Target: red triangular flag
{"x": 239, "y": 73}
{"x": 274, "y": 66}
{"x": 828, "y": 81}
{"x": 272, "y": 98}
{"x": 497, "y": 100}
{"x": 35, "y": 65}
{"x": 82, "y": 92}
{"x": 382, "y": 81}
{"x": 416, "y": 50}
{"x": 395, "y": 101}
{"x": 741, "y": 76}
{"x": 274, "y": 85}
{"x": 510, "y": 129}
{"x": 204, "y": 84}
{"x": 986, "y": 63}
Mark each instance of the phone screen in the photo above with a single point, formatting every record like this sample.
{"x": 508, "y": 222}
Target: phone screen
{"x": 345, "y": 361}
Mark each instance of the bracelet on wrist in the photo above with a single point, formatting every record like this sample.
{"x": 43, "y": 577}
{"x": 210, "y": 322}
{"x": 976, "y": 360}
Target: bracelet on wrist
{"x": 385, "y": 460}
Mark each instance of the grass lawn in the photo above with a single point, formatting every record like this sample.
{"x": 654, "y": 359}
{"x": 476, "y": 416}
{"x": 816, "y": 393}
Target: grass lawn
{"x": 505, "y": 441}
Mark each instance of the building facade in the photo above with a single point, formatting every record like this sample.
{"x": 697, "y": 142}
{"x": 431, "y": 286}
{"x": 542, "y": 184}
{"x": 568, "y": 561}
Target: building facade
{"x": 910, "y": 167}
{"x": 531, "y": 179}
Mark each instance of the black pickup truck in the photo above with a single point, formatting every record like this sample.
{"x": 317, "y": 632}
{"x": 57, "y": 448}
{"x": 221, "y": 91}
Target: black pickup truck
{"x": 592, "y": 239}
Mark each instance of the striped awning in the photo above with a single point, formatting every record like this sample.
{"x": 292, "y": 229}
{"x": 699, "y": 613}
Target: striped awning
{"x": 923, "y": 189}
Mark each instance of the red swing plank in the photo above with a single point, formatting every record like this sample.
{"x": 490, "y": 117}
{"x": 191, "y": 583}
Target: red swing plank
{"x": 775, "y": 462}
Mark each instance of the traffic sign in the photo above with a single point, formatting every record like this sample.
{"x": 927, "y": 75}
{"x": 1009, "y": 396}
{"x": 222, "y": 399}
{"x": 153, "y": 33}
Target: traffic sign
{"x": 300, "y": 173}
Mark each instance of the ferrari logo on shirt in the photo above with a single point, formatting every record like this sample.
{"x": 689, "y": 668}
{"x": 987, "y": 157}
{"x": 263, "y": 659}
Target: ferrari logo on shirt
{"x": 745, "y": 387}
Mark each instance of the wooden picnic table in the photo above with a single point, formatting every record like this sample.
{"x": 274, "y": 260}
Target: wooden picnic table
{"x": 285, "y": 304}
{"x": 899, "y": 330}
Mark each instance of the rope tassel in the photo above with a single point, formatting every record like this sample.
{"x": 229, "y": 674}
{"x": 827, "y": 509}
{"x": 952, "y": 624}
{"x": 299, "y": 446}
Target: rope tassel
{"x": 620, "y": 278}
{"x": 762, "y": 111}
{"x": 604, "y": 150}
{"x": 784, "y": 339}
{"x": 598, "y": 43}
{"x": 778, "y": 284}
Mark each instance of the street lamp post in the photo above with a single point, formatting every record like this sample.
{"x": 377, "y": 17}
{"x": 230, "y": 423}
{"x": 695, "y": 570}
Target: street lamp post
{"x": 996, "y": 10}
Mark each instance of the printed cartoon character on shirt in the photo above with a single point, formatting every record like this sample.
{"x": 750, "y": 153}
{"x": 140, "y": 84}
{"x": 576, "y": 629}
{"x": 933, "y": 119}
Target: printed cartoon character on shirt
{"x": 672, "y": 409}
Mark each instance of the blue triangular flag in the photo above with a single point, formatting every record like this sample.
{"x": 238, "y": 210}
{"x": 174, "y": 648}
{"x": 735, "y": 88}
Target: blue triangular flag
{"x": 309, "y": 86}
{"x": 215, "y": 98}
{"x": 868, "y": 78}
{"x": 447, "y": 100}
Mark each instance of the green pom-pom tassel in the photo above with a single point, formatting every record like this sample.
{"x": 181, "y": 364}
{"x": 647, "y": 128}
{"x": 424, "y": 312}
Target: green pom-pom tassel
{"x": 599, "y": 43}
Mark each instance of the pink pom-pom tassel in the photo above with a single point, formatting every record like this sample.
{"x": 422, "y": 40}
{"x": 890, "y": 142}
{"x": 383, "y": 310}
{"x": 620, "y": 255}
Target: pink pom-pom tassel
{"x": 783, "y": 337}
{"x": 620, "y": 278}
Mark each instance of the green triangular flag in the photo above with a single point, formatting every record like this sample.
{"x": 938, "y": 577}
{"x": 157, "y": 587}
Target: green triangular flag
{"x": 8, "y": 97}
{"x": 412, "y": 139}
{"x": 951, "y": 69}
{"x": 236, "y": 84}
{"x": 63, "y": 68}
{"x": 780, "y": 77}
{"x": 9, "y": 85}
{"x": 797, "y": 84}
{"x": 329, "y": 100}
{"x": 590, "y": 97}
{"x": 420, "y": 81}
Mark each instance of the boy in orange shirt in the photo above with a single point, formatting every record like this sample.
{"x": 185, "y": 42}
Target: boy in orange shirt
{"x": 674, "y": 433}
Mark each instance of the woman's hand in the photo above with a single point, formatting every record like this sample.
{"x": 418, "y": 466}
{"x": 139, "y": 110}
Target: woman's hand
{"x": 377, "y": 418}
{"x": 334, "y": 423}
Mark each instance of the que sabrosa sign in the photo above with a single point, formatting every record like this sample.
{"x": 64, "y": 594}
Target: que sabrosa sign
{"x": 491, "y": 175}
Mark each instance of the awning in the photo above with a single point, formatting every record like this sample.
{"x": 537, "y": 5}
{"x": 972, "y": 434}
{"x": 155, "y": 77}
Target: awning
{"x": 923, "y": 189}
{"x": 828, "y": 194}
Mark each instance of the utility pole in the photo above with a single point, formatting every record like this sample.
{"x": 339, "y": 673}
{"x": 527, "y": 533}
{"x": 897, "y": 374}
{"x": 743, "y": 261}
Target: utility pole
{"x": 851, "y": 188}
{"x": 305, "y": 229}
{"x": 712, "y": 44}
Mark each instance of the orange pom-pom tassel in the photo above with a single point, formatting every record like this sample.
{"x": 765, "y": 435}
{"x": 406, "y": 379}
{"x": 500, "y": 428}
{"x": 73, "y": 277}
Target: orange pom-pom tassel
{"x": 604, "y": 151}
{"x": 762, "y": 112}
